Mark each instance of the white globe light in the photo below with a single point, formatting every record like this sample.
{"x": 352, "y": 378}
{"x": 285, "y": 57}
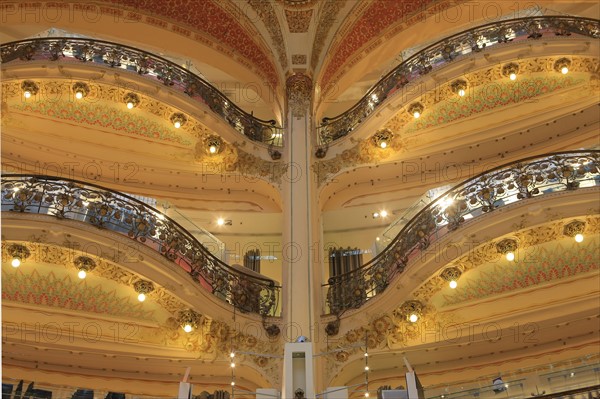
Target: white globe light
{"x": 383, "y": 214}
{"x": 142, "y": 297}
{"x": 417, "y": 114}
{"x": 187, "y": 328}
{"x": 27, "y": 94}
{"x": 513, "y": 76}
{"x": 453, "y": 284}
{"x": 130, "y": 105}
{"x": 579, "y": 237}
{"x": 383, "y": 144}
{"x": 220, "y": 221}
{"x": 79, "y": 95}
{"x": 461, "y": 92}
{"x": 16, "y": 262}
{"x": 413, "y": 318}
{"x": 564, "y": 70}
{"x": 510, "y": 256}
{"x": 177, "y": 124}
{"x": 81, "y": 274}
{"x": 212, "y": 149}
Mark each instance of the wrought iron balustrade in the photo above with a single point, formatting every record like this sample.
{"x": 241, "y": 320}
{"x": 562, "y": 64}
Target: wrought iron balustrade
{"x": 111, "y": 210}
{"x": 114, "y": 55}
{"x": 507, "y": 184}
{"x": 447, "y": 50}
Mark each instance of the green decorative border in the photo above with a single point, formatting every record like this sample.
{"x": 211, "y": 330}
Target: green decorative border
{"x": 102, "y": 116}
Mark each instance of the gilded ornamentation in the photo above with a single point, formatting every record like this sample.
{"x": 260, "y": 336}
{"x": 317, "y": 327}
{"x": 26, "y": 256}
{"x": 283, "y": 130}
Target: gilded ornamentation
{"x": 298, "y": 59}
{"x": 362, "y": 153}
{"x": 298, "y": 4}
{"x": 299, "y": 94}
{"x": 298, "y": 21}
{"x": 267, "y": 14}
{"x": 250, "y": 165}
{"x": 386, "y": 331}
{"x": 475, "y": 197}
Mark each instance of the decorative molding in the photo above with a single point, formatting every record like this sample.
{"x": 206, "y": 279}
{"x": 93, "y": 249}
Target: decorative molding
{"x": 94, "y": 114}
{"x": 384, "y": 331}
{"x": 441, "y": 107}
{"x": 211, "y": 340}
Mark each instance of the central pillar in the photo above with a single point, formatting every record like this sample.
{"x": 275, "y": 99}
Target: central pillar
{"x": 301, "y": 223}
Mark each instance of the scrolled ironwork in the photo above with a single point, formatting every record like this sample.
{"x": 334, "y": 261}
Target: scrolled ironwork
{"x": 480, "y": 195}
{"x": 145, "y": 64}
{"x": 446, "y": 51}
{"x": 103, "y": 208}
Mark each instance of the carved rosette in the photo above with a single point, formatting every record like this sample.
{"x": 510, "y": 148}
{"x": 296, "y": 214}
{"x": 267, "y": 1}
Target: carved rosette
{"x": 299, "y": 93}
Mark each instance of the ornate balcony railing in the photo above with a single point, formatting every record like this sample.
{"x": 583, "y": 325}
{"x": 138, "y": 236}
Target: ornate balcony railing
{"x": 447, "y": 50}
{"x": 98, "y": 206}
{"x": 525, "y": 179}
{"x": 151, "y": 66}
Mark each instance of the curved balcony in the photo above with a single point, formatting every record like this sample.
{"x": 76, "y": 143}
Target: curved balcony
{"x": 114, "y": 211}
{"x": 114, "y": 55}
{"x": 481, "y": 195}
{"x": 444, "y": 52}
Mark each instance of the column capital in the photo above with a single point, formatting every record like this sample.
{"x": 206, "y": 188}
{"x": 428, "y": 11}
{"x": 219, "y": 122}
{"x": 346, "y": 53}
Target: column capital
{"x": 299, "y": 94}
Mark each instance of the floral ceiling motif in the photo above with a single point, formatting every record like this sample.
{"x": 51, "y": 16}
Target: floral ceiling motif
{"x": 218, "y": 24}
{"x": 328, "y": 13}
{"x": 376, "y": 19}
{"x": 298, "y": 21}
{"x": 267, "y": 14}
